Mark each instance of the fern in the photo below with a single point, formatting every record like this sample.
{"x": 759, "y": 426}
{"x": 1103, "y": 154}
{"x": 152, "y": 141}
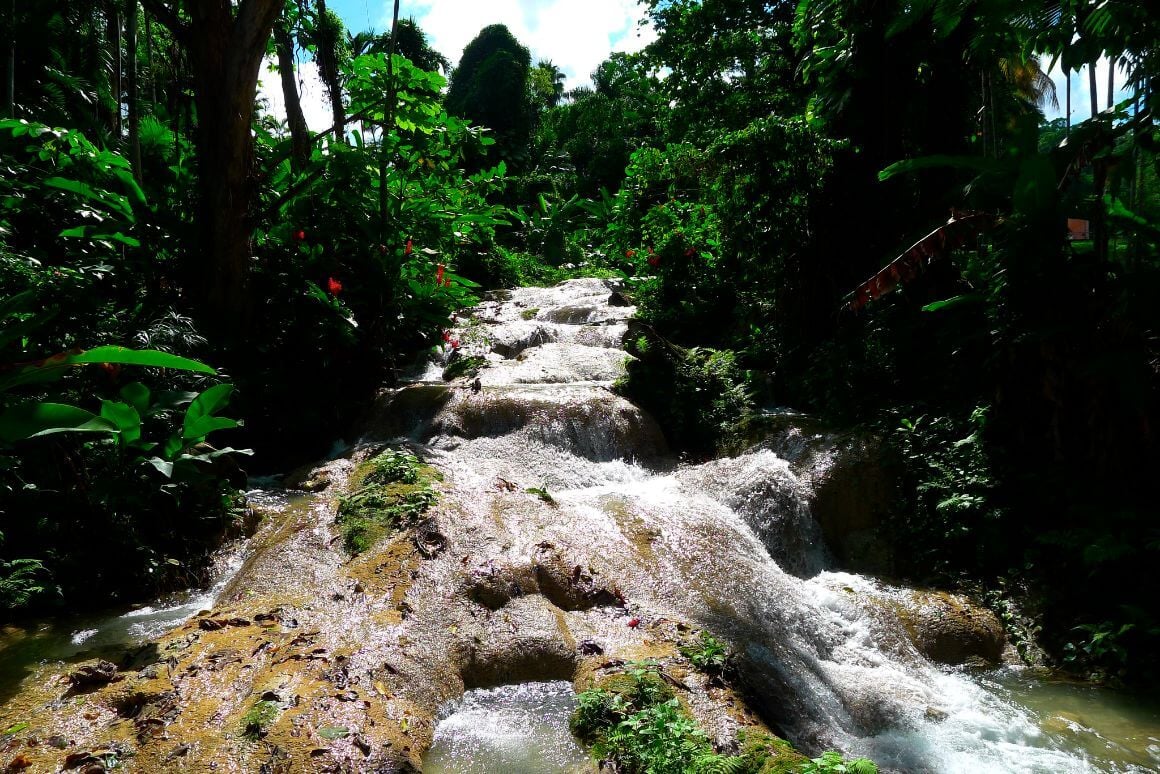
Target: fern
{"x": 722, "y": 764}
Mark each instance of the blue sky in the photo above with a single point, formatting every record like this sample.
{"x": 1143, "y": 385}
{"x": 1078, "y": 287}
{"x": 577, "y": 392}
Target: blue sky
{"x": 1080, "y": 99}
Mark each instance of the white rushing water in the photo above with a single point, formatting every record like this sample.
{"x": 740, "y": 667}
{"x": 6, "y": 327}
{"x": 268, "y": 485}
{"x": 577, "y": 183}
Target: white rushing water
{"x": 517, "y": 729}
{"x": 731, "y": 545}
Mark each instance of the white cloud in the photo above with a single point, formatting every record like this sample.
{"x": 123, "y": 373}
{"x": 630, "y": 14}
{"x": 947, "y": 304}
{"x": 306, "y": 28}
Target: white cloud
{"x": 311, "y": 92}
{"x": 576, "y": 35}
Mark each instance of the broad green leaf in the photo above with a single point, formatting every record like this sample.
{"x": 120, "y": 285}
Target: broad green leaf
{"x": 21, "y": 302}
{"x": 136, "y": 395}
{"x": 125, "y": 417}
{"x": 907, "y": 166}
{"x": 966, "y": 298}
{"x": 31, "y": 420}
{"x": 200, "y": 428}
{"x": 111, "y": 201}
{"x": 164, "y": 466}
{"x": 199, "y": 417}
{"x": 140, "y": 357}
{"x": 54, "y": 367}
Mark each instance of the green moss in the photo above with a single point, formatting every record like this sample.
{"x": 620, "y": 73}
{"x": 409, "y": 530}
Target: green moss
{"x": 530, "y": 314}
{"x": 463, "y": 366}
{"x": 257, "y": 721}
{"x": 391, "y": 491}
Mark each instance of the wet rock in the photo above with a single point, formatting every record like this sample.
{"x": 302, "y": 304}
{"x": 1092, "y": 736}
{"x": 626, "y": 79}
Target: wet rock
{"x": 429, "y": 540}
{"x": 568, "y": 585}
{"x": 93, "y": 675}
{"x": 951, "y": 629}
{"x": 493, "y": 586}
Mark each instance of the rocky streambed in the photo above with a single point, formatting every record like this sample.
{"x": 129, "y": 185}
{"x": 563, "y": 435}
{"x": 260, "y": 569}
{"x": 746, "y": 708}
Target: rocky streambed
{"x": 564, "y": 543}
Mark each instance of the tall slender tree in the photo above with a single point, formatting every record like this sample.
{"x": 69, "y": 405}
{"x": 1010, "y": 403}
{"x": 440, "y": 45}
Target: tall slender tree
{"x": 328, "y": 31}
{"x": 295, "y": 119}
{"x": 131, "y": 96}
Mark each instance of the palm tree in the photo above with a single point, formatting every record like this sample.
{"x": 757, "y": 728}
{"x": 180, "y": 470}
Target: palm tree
{"x": 552, "y": 78}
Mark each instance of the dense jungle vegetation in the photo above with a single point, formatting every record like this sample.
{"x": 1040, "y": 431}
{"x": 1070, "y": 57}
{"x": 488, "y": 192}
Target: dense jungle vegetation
{"x": 189, "y": 287}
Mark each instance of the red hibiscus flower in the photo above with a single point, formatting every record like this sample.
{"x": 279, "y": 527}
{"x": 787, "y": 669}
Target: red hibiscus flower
{"x": 333, "y": 286}
{"x": 439, "y": 274}
{"x": 299, "y": 235}
{"x": 409, "y": 247}
{"x": 654, "y": 260}
{"x": 447, "y": 335}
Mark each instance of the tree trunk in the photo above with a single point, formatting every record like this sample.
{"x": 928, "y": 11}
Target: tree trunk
{"x": 1067, "y": 73}
{"x": 131, "y": 97}
{"x": 113, "y": 41}
{"x": 388, "y": 124}
{"x": 10, "y": 85}
{"x": 328, "y": 70}
{"x": 226, "y": 51}
{"x": 295, "y": 120}
{"x": 1095, "y": 93}
{"x": 1111, "y": 82}
{"x": 149, "y": 59}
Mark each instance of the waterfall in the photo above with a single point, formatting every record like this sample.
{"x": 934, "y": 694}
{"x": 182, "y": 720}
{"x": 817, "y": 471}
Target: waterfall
{"x": 566, "y": 537}
{"x": 729, "y": 545}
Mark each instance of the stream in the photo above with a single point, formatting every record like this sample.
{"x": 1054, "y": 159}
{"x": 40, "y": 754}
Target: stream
{"x": 470, "y": 651}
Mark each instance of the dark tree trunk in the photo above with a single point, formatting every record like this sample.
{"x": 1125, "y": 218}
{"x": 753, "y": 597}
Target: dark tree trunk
{"x": 10, "y": 80}
{"x": 1067, "y": 72}
{"x": 295, "y": 120}
{"x": 113, "y": 41}
{"x": 131, "y": 95}
{"x": 1111, "y": 82}
{"x": 328, "y": 70}
{"x": 1094, "y": 89}
{"x": 225, "y": 51}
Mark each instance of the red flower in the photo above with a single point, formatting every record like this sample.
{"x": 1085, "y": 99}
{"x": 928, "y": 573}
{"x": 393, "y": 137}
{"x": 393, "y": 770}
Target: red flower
{"x": 410, "y": 246}
{"x": 633, "y": 623}
{"x": 333, "y": 286}
{"x": 447, "y": 335}
{"x": 439, "y": 274}
{"x": 630, "y": 253}
{"x": 654, "y": 260}
{"x": 299, "y": 235}
{"x": 447, "y": 282}
{"x": 690, "y": 253}
{"x": 454, "y": 343}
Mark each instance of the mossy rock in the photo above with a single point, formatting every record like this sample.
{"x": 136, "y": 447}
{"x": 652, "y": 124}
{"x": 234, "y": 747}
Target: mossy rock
{"x": 468, "y": 366}
{"x": 390, "y": 492}
{"x": 771, "y": 754}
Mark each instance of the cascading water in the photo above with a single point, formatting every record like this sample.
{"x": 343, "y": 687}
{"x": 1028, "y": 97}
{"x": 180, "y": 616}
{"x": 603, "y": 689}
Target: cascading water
{"x": 350, "y": 659}
{"x": 729, "y": 543}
